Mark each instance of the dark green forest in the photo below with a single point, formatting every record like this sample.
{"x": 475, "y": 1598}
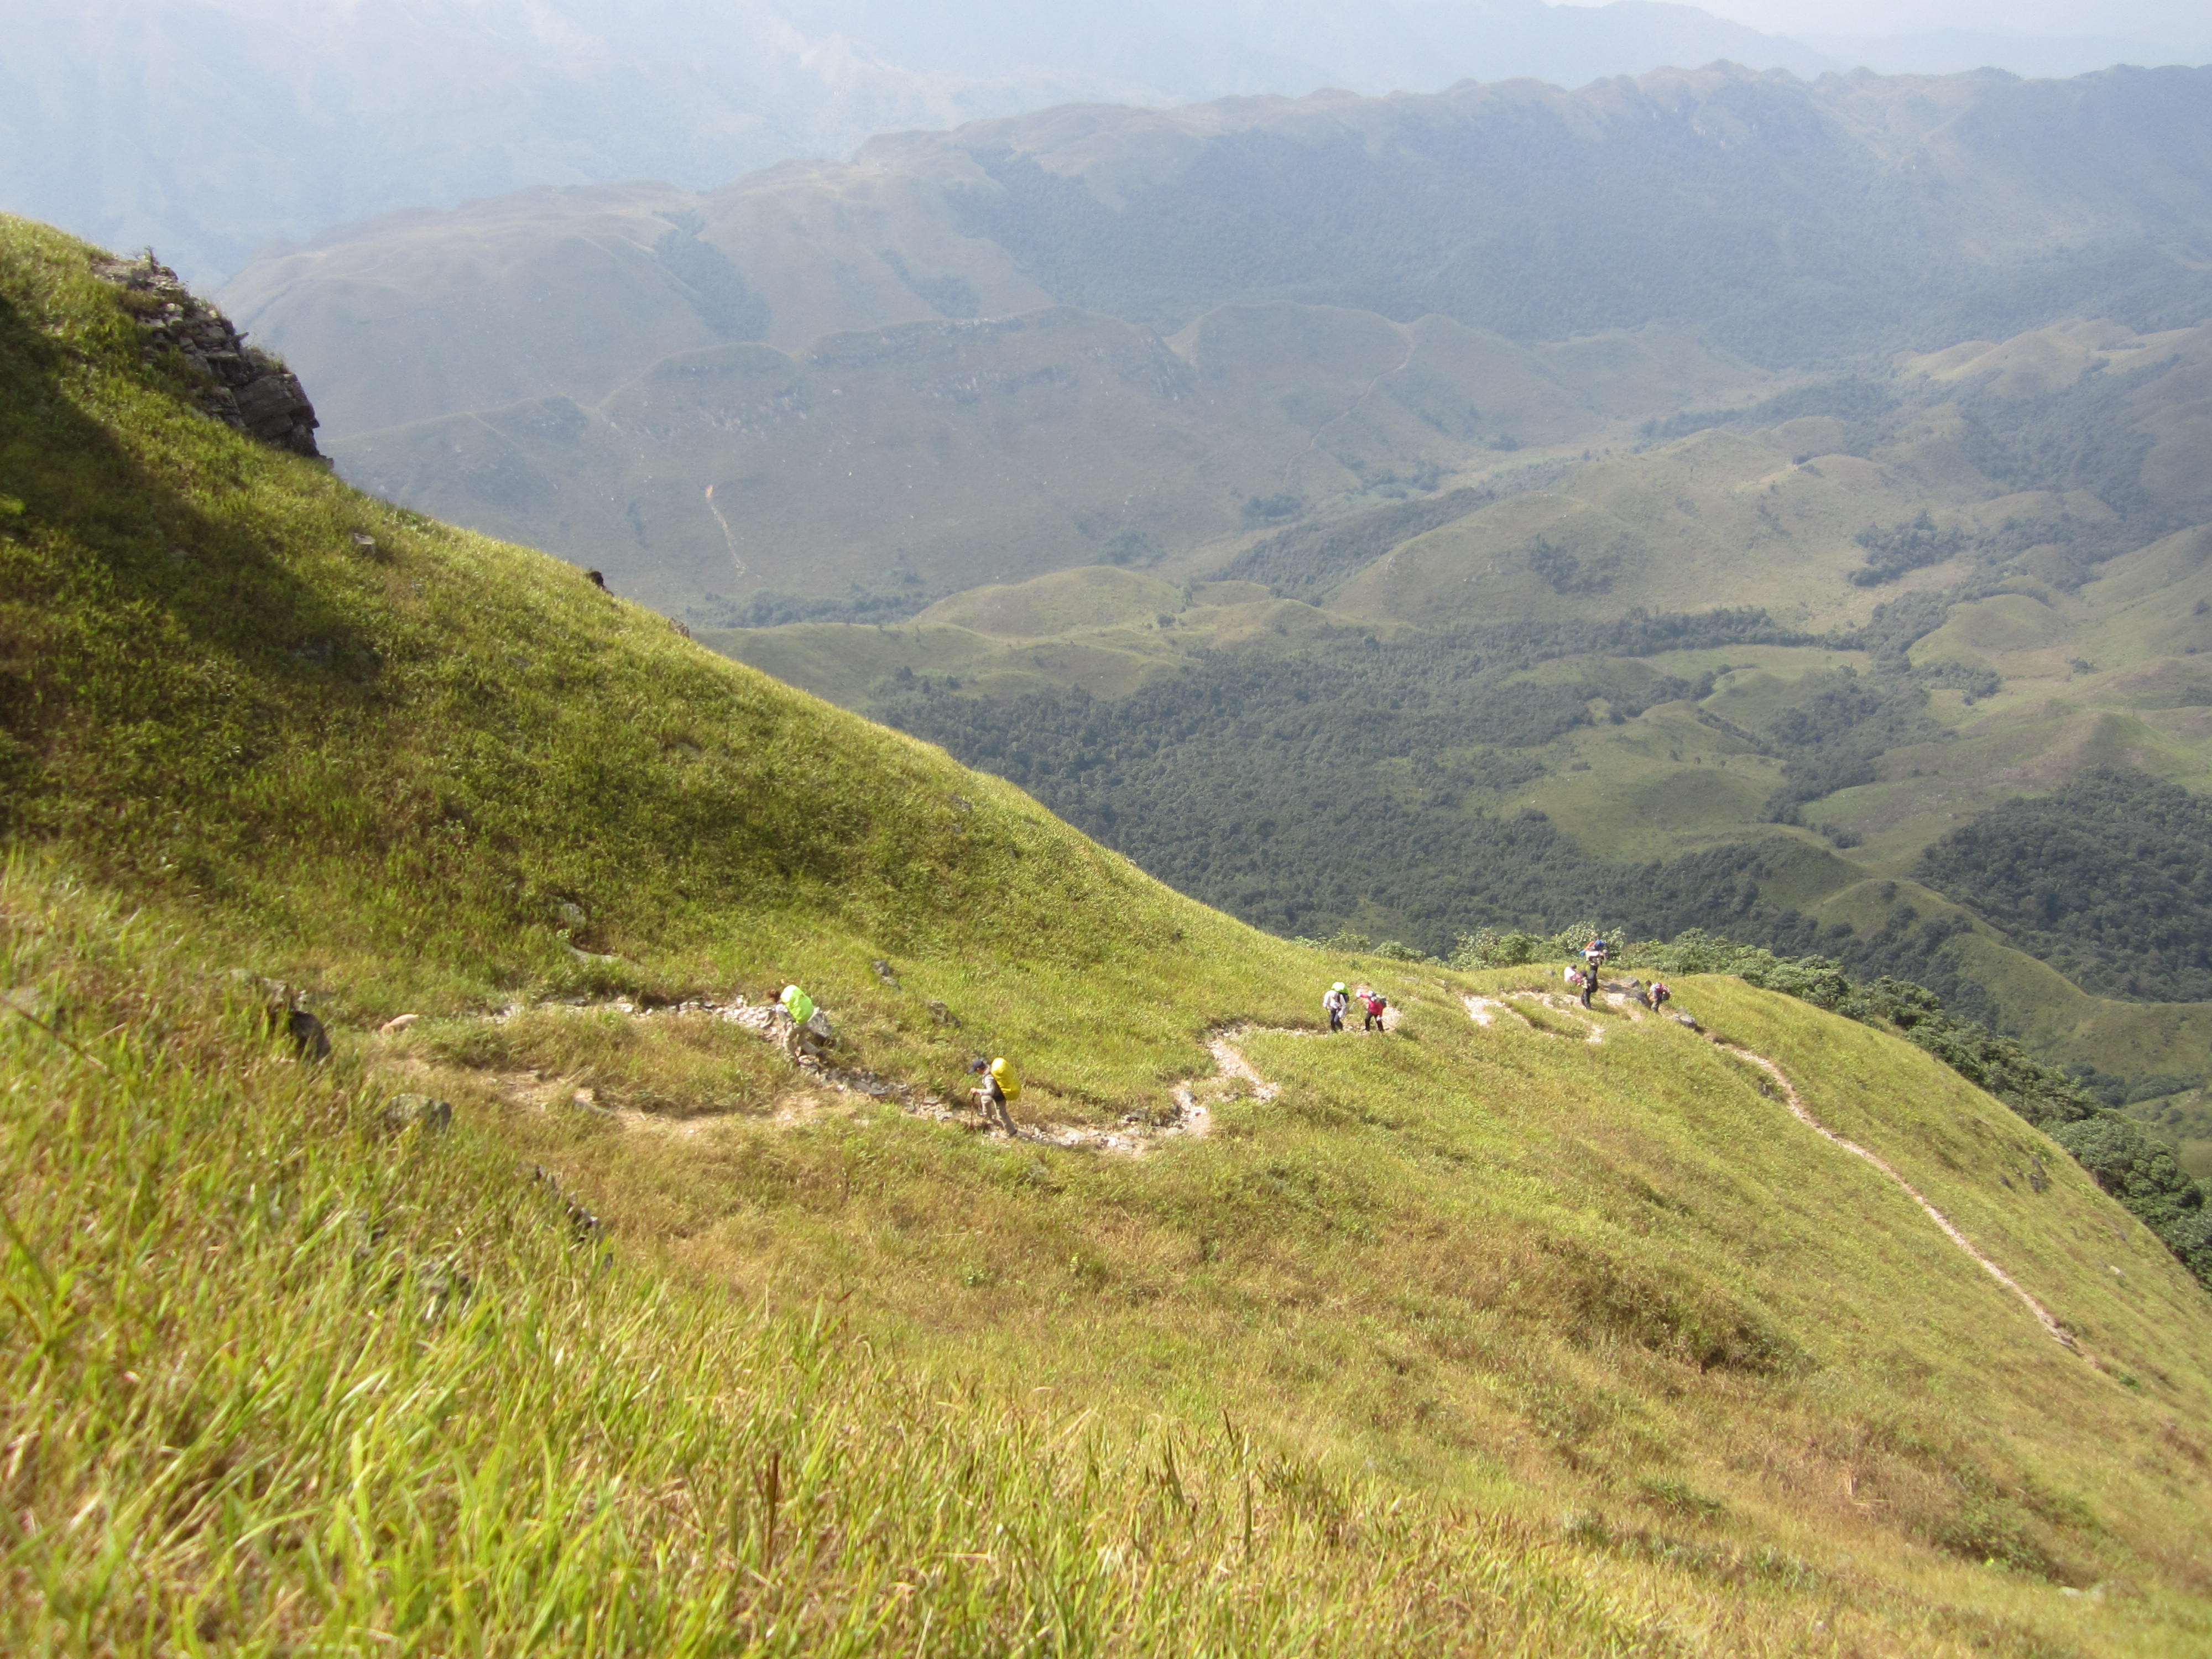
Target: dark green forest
{"x": 1344, "y": 787}
{"x": 2109, "y": 879}
{"x": 1344, "y": 784}
{"x": 1300, "y": 792}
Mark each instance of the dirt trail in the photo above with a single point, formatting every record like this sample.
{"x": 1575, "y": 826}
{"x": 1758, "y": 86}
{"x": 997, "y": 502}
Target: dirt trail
{"x": 1483, "y": 1010}
{"x": 1188, "y": 1114}
{"x": 1798, "y": 1110}
{"x": 1314, "y": 442}
{"x": 1189, "y": 1111}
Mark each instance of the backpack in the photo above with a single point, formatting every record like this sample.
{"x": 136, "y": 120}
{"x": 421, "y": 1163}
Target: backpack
{"x": 1009, "y": 1084}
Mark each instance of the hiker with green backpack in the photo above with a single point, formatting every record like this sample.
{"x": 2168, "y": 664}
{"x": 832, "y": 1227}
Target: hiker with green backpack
{"x": 801, "y": 1043}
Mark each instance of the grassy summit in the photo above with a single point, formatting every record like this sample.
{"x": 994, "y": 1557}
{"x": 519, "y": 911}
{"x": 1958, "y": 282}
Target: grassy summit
{"x": 1508, "y": 1331}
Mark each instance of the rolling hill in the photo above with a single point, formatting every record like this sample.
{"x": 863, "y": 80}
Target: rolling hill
{"x": 930, "y": 457}
{"x": 571, "y": 1314}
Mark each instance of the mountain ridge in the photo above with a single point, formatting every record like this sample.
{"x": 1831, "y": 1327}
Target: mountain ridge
{"x": 211, "y": 127}
{"x": 453, "y": 318}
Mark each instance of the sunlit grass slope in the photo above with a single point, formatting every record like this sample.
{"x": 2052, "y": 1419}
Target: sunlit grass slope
{"x": 1468, "y": 1338}
{"x": 273, "y": 1381}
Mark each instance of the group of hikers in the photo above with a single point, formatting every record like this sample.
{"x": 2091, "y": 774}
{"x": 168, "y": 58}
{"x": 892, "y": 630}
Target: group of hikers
{"x": 806, "y": 1030}
{"x": 1338, "y": 1003}
{"x": 1583, "y": 980}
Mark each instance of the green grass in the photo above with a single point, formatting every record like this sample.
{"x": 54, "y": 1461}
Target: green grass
{"x": 1469, "y": 1339}
{"x": 1362, "y": 1375}
{"x": 276, "y": 1381}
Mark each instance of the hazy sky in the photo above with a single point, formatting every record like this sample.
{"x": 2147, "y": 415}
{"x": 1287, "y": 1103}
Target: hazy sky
{"x": 210, "y": 127}
{"x": 2153, "y": 19}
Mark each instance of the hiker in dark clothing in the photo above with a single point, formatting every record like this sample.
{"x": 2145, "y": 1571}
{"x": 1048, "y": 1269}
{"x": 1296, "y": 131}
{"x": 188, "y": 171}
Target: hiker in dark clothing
{"x": 1660, "y": 994}
{"x": 1589, "y": 984}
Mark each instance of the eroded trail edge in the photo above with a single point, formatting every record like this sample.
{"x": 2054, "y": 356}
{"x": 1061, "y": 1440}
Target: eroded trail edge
{"x": 1485, "y": 1010}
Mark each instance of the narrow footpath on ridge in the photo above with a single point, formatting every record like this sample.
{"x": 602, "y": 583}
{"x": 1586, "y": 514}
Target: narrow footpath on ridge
{"x": 1350, "y": 408}
{"x": 1483, "y": 1010}
{"x": 1187, "y": 1113}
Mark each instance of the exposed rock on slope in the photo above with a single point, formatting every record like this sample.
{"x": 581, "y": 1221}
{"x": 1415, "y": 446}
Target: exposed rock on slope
{"x": 243, "y": 386}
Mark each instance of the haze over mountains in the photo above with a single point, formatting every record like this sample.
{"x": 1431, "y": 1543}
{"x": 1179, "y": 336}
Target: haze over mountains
{"x": 210, "y": 127}
{"x": 814, "y": 343}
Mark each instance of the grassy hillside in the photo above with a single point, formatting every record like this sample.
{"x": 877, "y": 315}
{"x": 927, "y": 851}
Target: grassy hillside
{"x": 1510, "y": 1334}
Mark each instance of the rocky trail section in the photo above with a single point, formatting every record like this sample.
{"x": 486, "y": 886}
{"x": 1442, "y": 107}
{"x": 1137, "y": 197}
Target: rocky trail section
{"x": 1483, "y": 1010}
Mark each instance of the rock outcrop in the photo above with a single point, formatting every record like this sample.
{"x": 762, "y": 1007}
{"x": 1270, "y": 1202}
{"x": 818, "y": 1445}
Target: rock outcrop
{"x": 239, "y": 385}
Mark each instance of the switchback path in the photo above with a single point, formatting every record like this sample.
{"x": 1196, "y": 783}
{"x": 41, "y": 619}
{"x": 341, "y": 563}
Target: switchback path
{"x": 1485, "y": 1010}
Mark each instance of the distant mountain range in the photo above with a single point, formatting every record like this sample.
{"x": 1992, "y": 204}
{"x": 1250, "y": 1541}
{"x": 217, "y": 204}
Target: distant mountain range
{"x": 830, "y": 347}
{"x": 210, "y": 128}
{"x": 1709, "y": 499}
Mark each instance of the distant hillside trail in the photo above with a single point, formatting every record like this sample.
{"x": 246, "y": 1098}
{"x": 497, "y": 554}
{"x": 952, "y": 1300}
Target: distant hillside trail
{"x": 737, "y": 560}
{"x": 1314, "y": 442}
{"x": 1484, "y": 1011}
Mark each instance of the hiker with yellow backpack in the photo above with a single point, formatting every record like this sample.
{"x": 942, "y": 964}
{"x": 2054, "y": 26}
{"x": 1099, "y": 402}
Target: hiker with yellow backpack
{"x": 999, "y": 1088}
